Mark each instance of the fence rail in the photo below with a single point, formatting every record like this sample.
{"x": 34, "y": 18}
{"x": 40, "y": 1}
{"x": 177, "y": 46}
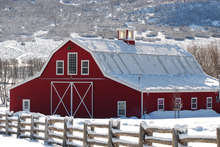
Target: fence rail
{"x": 29, "y": 126}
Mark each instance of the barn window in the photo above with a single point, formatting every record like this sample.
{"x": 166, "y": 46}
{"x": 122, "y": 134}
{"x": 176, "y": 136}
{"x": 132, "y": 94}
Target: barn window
{"x": 130, "y": 34}
{"x": 194, "y": 103}
{"x": 122, "y": 34}
{"x": 60, "y": 66}
{"x": 26, "y": 105}
{"x": 72, "y": 63}
{"x": 160, "y": 104}
{"x": 209, "y": 102}
{"x": 121, "y": 108}
{"x": 85, "y": 67}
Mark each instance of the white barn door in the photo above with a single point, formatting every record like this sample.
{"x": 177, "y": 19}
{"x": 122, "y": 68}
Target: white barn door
{"x": 72, "y": 99}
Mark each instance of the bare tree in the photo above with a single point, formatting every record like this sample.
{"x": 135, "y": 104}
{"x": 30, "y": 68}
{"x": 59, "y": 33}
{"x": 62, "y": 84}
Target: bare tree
{"x": 176, "y": 102}
{"x": 208, "y": 58}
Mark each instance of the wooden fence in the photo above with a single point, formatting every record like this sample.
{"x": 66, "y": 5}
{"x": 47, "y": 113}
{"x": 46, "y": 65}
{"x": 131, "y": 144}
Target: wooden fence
{"x": 29, "y": 126}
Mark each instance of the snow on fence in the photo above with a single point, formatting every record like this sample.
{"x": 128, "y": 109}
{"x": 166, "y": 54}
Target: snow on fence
{"x": 30, "y": 126}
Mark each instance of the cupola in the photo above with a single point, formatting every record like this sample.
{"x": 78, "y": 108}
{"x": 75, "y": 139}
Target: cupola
{"x": 126, "y": 33}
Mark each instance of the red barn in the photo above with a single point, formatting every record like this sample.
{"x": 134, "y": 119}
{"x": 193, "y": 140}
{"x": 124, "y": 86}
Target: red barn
{"x": 98, "y": 78}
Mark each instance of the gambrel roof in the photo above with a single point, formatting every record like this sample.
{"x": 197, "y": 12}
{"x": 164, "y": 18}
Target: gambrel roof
{"x": 146, "y": 67}
{"x": 149, "y": 66}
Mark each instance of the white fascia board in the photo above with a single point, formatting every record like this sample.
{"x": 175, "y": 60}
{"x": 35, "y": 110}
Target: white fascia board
{"x": 180, "y": 91}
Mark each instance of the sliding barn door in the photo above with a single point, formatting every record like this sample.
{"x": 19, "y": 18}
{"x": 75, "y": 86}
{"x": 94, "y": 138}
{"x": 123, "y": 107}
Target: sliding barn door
{"x": 72, "y": 99}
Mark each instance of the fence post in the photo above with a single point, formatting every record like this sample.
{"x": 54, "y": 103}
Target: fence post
{"x": 110, "y": 135}
{"x": 141, "y": 134}
{"x": 32, "y": 127}
{"x": 175, "y": 138}
{"x": 92, "y": 129}
{"x": 118, "y": 127}
{"x": 46, "y": 130}
{"x": 19, "y": 126}
{"x": 71, "y": 122}
{"x": 85, "y": 134}
{"x": 65, "y": 131}
{"x": 6, "y": 124}
{"x": 218, "y": 136}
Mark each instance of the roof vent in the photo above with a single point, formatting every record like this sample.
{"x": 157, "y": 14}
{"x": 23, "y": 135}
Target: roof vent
{"x": 126, "y": 33}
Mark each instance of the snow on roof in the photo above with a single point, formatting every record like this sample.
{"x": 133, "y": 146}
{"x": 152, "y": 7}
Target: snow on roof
{"x": 126, "y": 26}
{"x": 149, "y": 66}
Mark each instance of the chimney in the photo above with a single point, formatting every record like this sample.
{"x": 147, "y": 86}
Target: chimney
{"x": 126, "y": 33}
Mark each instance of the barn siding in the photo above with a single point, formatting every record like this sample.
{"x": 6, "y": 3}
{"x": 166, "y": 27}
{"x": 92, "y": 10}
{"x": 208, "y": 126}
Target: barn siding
{"x": 106, "y": 92}
{"x": 150, "y": 100}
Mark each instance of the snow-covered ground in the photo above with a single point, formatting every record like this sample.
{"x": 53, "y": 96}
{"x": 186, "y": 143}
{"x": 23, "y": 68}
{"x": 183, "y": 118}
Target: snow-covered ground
{"x": 200, "y": 122}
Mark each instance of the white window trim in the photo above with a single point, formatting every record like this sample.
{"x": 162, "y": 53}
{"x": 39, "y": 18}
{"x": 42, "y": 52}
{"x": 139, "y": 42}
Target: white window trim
{"x": 125, "y": 108}
{"x": 158, "y": 104}
{"x": 26, "y": 100}
{"x": 120, "y": 33}
{"x": 192, "y": 103}
{"x": 68, "y": 63}
{"x": 207, "y": 102}
{"x": 82, "y": 67}
{"x": 57, "y": 67}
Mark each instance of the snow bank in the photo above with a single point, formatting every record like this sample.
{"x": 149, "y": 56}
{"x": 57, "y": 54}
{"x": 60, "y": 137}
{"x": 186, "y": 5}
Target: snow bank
{"x": 183, "y": 114}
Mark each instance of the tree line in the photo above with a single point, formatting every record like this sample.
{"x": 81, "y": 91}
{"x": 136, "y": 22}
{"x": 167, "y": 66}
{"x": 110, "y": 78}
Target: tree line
{"x": 208, "y": 56}
{"x": 12, "y": 71}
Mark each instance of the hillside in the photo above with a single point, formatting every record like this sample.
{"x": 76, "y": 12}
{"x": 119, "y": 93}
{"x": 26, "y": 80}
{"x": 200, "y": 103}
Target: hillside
{"x": 21, "y": 18}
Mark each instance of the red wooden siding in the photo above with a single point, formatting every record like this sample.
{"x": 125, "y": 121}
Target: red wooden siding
{"x": 150, "y": 100}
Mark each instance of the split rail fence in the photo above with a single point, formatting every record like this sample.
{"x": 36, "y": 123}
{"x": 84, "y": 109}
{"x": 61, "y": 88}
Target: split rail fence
{"x": 30, "y": 126}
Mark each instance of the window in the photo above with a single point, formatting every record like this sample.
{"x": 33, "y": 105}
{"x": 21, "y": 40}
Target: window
{"x": 60, "y": 65}
{"x": 130, "y": 34}
{"x": 194, "y": 103}
{"x": 122, "y": 35}
{"x": 85, "y": 67}
{"x": 26, "y": 105}
{"x": 160, "y": 104}
{"x": 209, "y": 102}
{"x": 121, "y": 108}
{"x": 72, "y": 63}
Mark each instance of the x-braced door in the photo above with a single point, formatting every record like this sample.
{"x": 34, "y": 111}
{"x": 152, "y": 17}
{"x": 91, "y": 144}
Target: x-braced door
{"x": 72, "y": 99}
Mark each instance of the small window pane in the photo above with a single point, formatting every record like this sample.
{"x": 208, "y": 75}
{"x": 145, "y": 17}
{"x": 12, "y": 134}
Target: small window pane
{"x": 130, "y": 34}
{"x": 85, "y": 70}
{"x": 85, "y": 64}
{"x": 160, "y": 102}
{"x": 122, "y": 105}
{"x": 60, "y": 64}
{"x": 122, "y": 34}
{"x": 121, "y": 112}
{"x": 161, "y": 107}
{"x": 59, "y": 70}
